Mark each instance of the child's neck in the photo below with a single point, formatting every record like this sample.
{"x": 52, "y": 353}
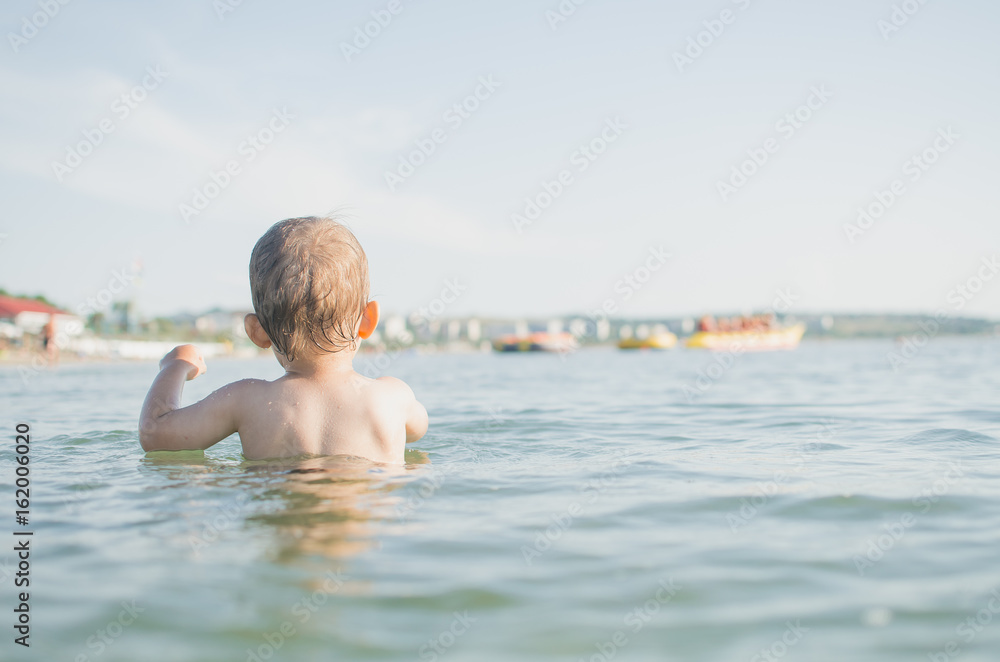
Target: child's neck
{"x": 319, "y": 364}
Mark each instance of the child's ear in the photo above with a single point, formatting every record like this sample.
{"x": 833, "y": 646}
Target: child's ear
{"x": 369, "y": 319}
{"x": 255, "y": 331}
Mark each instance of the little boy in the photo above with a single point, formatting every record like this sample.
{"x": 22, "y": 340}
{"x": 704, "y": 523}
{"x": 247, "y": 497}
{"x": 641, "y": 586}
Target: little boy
{"x": 309, "y": 284}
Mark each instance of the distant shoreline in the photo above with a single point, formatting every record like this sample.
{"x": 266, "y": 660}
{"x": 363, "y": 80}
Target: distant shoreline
{"x": 38, "y": 360}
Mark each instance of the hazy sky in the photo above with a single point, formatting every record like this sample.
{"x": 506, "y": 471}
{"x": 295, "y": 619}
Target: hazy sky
{"x": 338, "y": 119}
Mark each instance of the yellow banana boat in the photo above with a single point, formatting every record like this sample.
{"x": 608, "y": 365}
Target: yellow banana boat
{"x": 654, "y": 341}
{"x": 753, "y": 340}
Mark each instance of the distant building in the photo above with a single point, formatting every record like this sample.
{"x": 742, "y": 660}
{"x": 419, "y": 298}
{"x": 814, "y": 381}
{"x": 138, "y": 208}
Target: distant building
{"x": 221, "y": 322}
{"x": 394, "y": 329}
{"x": 21, "y": 316}
{"x": 123, "y": 317}
{"x": 603, "y": 330}
{"x": 474, "y": 330}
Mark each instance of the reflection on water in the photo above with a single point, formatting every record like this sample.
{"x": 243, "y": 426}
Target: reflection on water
{"x": 324, "y": 507}
{"x": 310, "y": 507}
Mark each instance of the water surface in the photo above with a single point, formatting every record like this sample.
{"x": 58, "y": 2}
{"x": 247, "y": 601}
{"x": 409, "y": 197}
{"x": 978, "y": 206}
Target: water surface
{"x": 816, "y": 505}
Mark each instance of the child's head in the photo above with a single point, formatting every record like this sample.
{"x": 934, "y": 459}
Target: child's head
{"x": 309, "y": 284}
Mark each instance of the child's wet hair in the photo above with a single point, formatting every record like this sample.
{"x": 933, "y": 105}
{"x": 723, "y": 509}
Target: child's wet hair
{"x": 309, "y": 284}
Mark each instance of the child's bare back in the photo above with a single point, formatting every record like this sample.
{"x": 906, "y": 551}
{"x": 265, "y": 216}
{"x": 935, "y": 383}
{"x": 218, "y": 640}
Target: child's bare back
{"x": 309, "y": 280}
{"x": 357, "y": 416}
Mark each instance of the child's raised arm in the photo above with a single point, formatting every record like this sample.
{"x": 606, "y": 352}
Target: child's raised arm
{"x": 165, "y": 426}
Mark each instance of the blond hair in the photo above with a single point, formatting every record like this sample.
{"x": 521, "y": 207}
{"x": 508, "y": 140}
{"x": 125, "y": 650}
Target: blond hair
{"x": 309, "y": 284}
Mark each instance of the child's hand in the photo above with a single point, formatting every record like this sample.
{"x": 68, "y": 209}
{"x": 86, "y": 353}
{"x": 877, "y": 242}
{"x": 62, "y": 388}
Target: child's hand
{"x": 187, "y": 354}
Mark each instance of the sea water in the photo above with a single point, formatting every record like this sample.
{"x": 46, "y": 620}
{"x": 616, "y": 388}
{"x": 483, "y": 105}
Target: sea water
{"x": 814, "y": 505}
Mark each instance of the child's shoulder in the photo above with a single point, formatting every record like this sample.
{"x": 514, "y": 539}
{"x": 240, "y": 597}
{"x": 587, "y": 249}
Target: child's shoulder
{"x": 395, "y": 388}
{"x": 383, "y": 392}
{"x": 248, "y": 385}
{"x": 245, "y": 391}
{"x": 395, "y": 384}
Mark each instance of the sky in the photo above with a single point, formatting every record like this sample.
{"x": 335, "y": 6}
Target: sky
{"x": 649, "y": 157}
